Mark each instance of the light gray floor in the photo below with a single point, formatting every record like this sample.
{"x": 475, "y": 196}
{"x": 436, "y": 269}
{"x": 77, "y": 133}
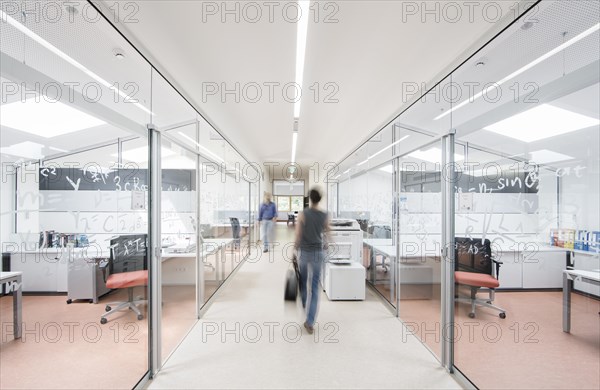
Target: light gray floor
{"x": 250, "y": 338}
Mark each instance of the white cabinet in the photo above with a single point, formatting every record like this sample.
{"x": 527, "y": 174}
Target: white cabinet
{"x": 44, "y": 271}
{"x": 586, "y": 262}
{"x": 511, "y": 270}
{"x": 541, "y": 268}
{"x": 345, "y": 281}
{"x": 544, "y": 269}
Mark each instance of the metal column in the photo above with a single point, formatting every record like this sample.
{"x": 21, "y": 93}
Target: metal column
{"x": 154, "y": 248}
{"x": 447, "y": 307}
{"x": 396, "y": 220}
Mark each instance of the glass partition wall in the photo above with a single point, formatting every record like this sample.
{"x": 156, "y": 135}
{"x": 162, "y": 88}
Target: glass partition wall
{"x": 75, "y": 205}
{"x": 504, "y": 286}
{"x": 532, "y": 190}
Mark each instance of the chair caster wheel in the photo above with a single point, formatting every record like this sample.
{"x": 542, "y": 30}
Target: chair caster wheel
{"x": 108, "y": 308}
{"x": 140, "y": 317}
{"x": 502, "y": 315}
{"x": 490, "y": 302}
{"x": 69, "y": 301}
{"x": 103, "y": 320}
{"x": 471, "y": 315}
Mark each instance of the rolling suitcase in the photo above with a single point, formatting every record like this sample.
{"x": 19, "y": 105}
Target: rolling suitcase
{"x": 292, "y": 281}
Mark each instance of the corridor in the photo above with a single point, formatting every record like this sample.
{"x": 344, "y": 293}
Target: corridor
{"x": 250, "y": 338}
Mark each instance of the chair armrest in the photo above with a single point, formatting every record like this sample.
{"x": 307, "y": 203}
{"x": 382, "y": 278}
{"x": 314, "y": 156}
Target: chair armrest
{"x": 103, "y": 264}
{"x": 497, "y": 263}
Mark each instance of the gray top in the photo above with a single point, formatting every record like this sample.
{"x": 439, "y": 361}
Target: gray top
{"x": 312, "y": 229}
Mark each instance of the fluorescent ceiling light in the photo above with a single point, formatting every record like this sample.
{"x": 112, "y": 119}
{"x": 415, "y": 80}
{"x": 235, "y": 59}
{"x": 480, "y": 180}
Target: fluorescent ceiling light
{"x": 5, "y": 18}
{"x": 301, "y": 33}
{"x": 540, "y": 122}
{"x": 511, "y": 76}
{"x": 346, "y": 171}
{"x": 294, "y": 143}
{"x": 546, "y": 156}
{"x": 382, "y": 150}
{"x": 44, "y": 118}
{"x": 201, "y": 147}
{"x": 27, "y": 149}
{"x": 389, "y": 146}
{"x": 433, "y": 155}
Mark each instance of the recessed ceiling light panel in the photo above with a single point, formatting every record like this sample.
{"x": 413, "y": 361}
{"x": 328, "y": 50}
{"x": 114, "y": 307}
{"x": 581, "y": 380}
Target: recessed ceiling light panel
{"x": 541, "y": 122}
{"x": 44, "y": 118}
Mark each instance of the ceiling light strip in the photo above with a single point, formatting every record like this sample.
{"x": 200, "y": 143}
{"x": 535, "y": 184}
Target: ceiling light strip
{"x": 516, "y": 73}
{"x": 383, "y": 150}
{"x": 301, "y": 34}
{"x": 202, "y": 147}
{"x": 294, "y": 144}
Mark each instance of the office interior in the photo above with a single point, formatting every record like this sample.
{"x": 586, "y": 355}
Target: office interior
{"x": 80, "y": 179}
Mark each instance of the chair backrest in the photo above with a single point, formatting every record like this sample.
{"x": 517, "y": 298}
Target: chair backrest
{"x": 473, "y": 255}
{"x": 381, "y": 231}
{"x": 235, "y": 227}
{"x": 128, "y": 253}
{"x": 363, "y": 223}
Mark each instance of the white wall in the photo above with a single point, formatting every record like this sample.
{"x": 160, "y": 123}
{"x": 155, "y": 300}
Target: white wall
{"x": 6, "y": 204}
{"x": 580, "y": 195}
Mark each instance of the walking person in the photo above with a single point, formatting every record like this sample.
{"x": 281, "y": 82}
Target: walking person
{"x": 312, "y": 226}
{"x": 267, "y": 216}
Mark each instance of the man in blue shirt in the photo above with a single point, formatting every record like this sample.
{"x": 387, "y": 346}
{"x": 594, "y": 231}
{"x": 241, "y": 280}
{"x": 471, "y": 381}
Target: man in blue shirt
{"x": 268, "y": 216}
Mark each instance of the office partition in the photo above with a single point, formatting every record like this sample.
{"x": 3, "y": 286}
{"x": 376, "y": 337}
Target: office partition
{"x": 76, "y": 167}
{"x": 511, "y": 167}
{"x": 530, "y": 187}
{"x": 501, "y": 182}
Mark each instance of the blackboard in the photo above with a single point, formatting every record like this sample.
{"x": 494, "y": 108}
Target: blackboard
{"x": 129, "y": 253}
{"x": 507, "y": 183}
{"x": 124, "y": 179}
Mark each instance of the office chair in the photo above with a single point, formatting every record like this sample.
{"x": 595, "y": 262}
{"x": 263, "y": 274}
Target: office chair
{"x": 127, "y": 268}
{"x": 363, "y": 223}
{"x": 476, "y": 268}
{"x": 235, "y": 230}
{"x": 291, "y": 218}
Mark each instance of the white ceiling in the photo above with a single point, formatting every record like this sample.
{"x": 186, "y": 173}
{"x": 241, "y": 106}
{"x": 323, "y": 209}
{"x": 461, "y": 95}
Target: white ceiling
{"x": 369, "y": 53}
{"x": 568, "y": 80}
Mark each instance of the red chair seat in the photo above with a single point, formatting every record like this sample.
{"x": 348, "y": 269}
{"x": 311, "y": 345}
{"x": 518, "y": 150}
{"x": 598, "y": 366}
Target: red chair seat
{"x": 127, "y": 279}
{"x": 476, "y": 279}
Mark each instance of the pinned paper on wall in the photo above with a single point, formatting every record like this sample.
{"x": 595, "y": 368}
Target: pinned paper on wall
{"x": 138, "y": 200}
{"x": 465, "y": 201}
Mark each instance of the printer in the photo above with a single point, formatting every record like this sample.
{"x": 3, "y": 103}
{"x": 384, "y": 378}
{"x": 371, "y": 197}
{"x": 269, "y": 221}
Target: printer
{"x": 346, "y": 240}
{"x": 343, "y": 276}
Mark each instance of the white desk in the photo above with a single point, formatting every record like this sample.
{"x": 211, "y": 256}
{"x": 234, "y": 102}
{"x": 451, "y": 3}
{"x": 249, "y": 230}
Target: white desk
{"x": 384, "y": 247}
{"x": 568, "y": 275}
{"x": 14, "y": 278}
{"x": 210, "y": 246}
